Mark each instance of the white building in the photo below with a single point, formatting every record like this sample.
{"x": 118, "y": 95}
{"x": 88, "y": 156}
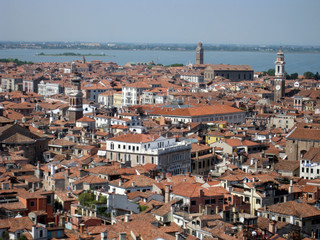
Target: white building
{"x": 48, "y": 89}
{"x": 192, "y": 77}
{"x": 310, "y": 164}
{"x": 131, "y": 93}
{"x": 169, "y": 155}
{"x": 106, "y": 99}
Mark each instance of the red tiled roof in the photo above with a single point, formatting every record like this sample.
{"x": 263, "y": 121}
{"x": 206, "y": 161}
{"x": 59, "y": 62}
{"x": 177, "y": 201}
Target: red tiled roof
{"x": 135, "y": 138}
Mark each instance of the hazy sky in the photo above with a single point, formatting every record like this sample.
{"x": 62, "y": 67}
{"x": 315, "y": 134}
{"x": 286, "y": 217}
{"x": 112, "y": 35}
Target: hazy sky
{"x": 162, "y": 21}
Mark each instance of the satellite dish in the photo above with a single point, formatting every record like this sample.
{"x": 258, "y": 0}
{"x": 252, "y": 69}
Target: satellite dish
{"x": 296, "y": 84}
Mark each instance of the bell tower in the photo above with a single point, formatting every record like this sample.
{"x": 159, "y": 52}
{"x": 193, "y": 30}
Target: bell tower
{"x": 199, "y": 54}
{"x": 75, "y": 100}
{"x": 280, "y": 77}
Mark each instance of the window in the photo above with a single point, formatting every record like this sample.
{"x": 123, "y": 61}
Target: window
{"x": 207, "y": 201}
{"x": 220, "y": 200}
{"x": 193, "y": 203}
{"x": 31, "y": 203}
{"x": 279, "y": 219}
{"x": 302, "y": 170}
{"x": 213, "y": 201}
{"x": 258, "y": 201}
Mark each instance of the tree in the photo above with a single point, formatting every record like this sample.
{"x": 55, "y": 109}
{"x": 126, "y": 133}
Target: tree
{"x": 317, "y": 76}
{"x": 143, "y": 208}
{"x": 23, "y": 237}
{"x": 308, "y": 75}
{"x": 294, "y": 76}
{"x": 271, "y": 72}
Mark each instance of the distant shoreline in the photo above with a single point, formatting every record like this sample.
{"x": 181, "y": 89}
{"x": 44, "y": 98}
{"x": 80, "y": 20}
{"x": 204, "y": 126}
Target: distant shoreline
{"x": 71, "y": 54}
{"x": 75, "y": 46}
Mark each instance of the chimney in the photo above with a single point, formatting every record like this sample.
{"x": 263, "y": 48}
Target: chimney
{"x": 201, "y": 193}
{"x": 126, "y": 217}
{"x": 38, "y": 165}
{"x": 33, "y": 187}
{"x": 167, "y": 193}
{"x": 133, "y": 184}
{"x": 62, "y": 221}
{"x": 177, "y": 236}
{"x": 33, "y": 233}
{"x": 68, "y": 172}
{"x": 104, "y": 235}
{"x": 122, "y": 236}
{"x": 291, "y": 186}
{"x": 201, "y": 208}
{"x": 272, "y": 226}
{"x": 120, "y": 182}
{"x": 82, "y": 228}
{"x": 68, "y": 194}
{"x": 256, "y": 166}
{"x": 52, "y": 169}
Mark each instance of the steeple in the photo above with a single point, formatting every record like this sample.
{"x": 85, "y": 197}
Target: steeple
{"x": 279, "y": 71}
{"x": 199, "y": 54}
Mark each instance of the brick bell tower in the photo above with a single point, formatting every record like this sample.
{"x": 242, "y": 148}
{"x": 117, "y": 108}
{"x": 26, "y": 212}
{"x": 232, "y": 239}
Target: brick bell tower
{"x": 75, "y": 100}
{"x": 280, "y": 77}
{"x": 199, "y": 54}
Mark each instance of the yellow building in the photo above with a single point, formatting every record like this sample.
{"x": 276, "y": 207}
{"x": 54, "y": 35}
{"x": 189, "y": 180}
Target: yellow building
{"x": 215, "y": 136}
{"x": 117, "y": 99}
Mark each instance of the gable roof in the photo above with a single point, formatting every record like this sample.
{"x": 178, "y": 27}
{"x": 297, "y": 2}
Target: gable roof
{"x": 294, "y": 208}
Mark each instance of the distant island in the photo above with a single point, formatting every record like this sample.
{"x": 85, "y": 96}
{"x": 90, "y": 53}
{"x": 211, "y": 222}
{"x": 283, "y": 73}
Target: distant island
{"x": 72, "y": 54}
{"x": 16, "y": 61}
{"x": 70, "y": 46}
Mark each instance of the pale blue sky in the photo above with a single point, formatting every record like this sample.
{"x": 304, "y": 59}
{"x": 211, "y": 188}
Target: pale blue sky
{"x": 162, "y": 21}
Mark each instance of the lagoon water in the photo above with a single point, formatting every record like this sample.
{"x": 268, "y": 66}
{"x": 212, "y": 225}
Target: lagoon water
{"x": 259, "y": 61}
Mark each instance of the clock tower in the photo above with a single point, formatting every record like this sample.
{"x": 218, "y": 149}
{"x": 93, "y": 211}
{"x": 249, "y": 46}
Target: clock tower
{"x": 280, "y": 77}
